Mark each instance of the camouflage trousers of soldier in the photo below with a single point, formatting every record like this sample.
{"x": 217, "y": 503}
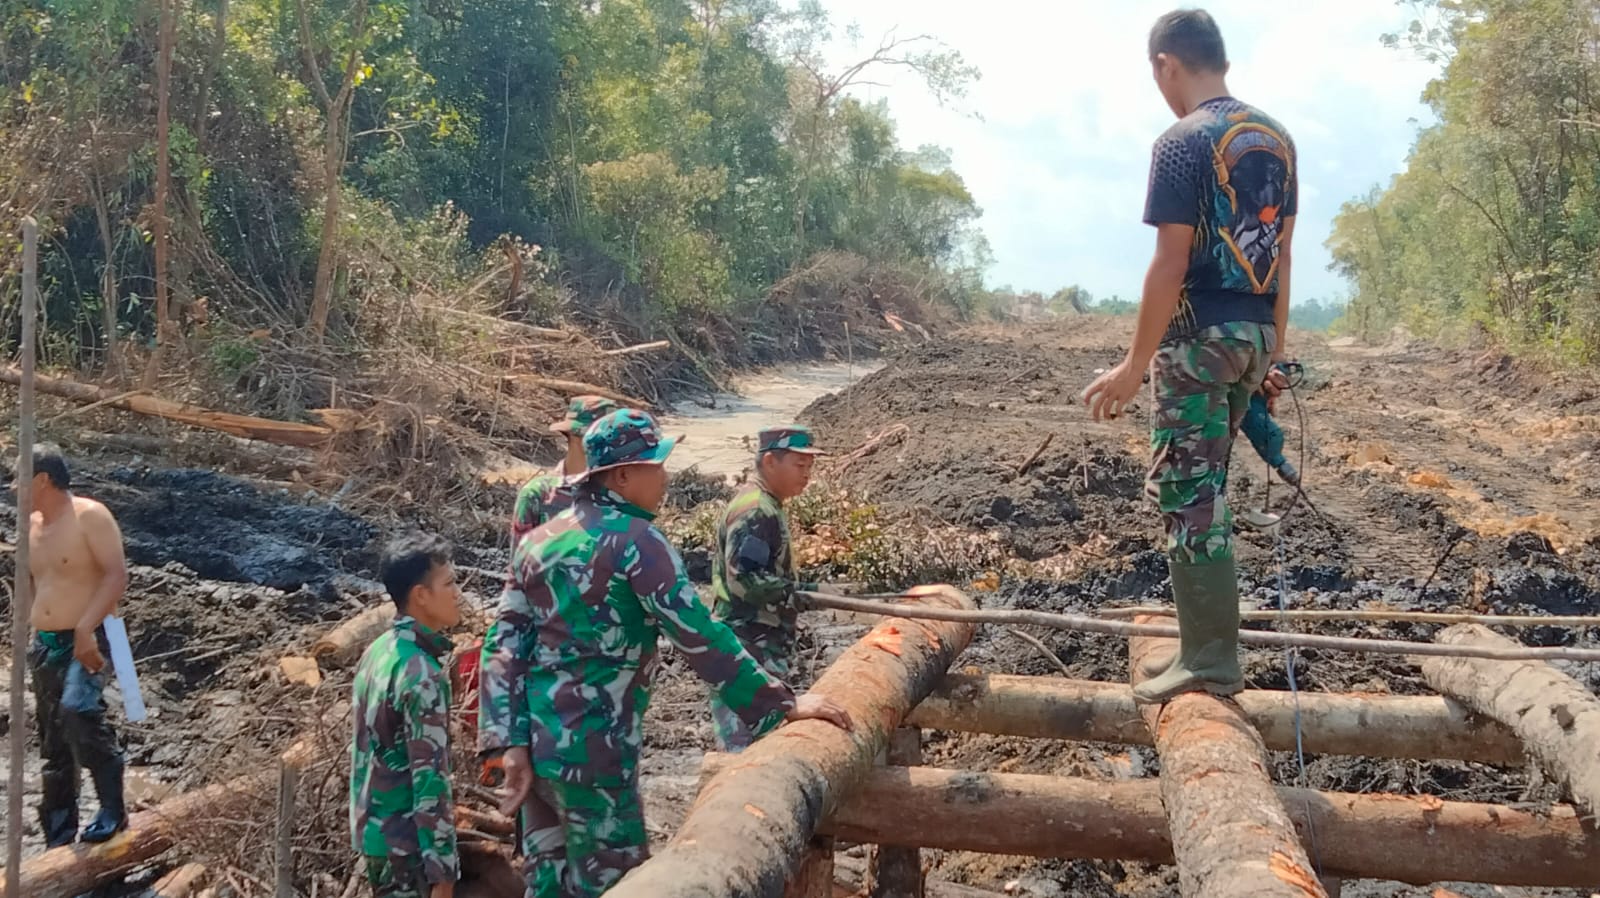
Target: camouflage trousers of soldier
{"x": 773, "y": 650}
{"x": 1202, "y": 387}
{"x": 578, "y": 839}
{"x": 397, "y": 877}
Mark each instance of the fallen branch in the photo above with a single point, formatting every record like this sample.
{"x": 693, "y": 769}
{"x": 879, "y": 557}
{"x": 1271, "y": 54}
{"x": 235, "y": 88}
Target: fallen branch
{"x": 85, "y": 409}
{"x": 642, "y": 347}
{"x": 1023, "y": 468}
{"x": 888, "y": 437}
{"x": 343, "y": 646}
{"x": 1382, "y": 616}
{"x": 180, "y": 883}
{"x": 1085, "y": 624}
{"x": 576, "y": 388}
{"x": 286, "y": 433}
{"x": 1423, "y": 727}
{"x": 1044, "y": 650}
{"x": 1557, "y": 718}
{"x": 547, "y": 333}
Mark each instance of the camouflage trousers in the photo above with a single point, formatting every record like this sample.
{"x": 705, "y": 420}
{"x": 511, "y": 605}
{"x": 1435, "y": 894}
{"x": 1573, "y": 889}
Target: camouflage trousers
{"x": 397, "y": 877}
{"x": 1201, "y": 387}
{"x": 773, "y": 650}
{"x": 579, "y": 839}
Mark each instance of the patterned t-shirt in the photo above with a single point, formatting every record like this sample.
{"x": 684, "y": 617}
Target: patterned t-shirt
{"x": 1228, "y": 170}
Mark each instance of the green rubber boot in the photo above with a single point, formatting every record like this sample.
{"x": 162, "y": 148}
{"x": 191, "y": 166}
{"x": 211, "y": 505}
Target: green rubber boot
{"x": 1207, "y": 597}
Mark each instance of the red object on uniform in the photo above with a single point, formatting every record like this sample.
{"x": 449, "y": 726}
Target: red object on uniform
{"x": 467, "y": 678}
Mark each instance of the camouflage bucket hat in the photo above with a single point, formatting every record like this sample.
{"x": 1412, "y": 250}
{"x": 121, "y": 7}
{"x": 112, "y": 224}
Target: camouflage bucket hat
{"x": 583, "y": 411}
{"x": 791, "y": 438}
{"x": 624, "y": 437}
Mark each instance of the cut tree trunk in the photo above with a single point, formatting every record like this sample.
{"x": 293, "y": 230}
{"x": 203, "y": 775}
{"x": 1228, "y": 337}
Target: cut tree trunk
{"x": 75, "y": 869}
{"x": 160, "y": 226}
{"x": 1384, "y": 726}
{"x": 1403, "y": 838}
{"x": 897, "y": 871}
{"x": 180, "y": 883}
{"x": 286, "y": 433}
{"x": 814, "y": 879}
{"x": 343, "y": 646}
{"x": 1230, "y": 833}
{"x": 747, "y": 831}
{"x": 1557, "y": 718}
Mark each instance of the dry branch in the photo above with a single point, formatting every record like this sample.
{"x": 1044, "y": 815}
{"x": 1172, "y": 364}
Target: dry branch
{"x": 1230, "y": 833}
{"x": 1376, "y": 615}
{"x": 286, "y": 433}
{"x": 1385, "y": 726}
{"x": 1404, "y": 838}
{"x": 547, "y": 333}
{"x": 750, "y": 826}
{"x": 1086, "y": 624}
{"x": 1023, "y": 468}
{"x": 1557, "y": 718}
{"x": 576, "y": 388}
{"x": 888, "y": 437}
{"x": 642, "y": 347}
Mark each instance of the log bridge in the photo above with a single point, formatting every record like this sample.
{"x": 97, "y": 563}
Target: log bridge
{"x": 765, "y": 822}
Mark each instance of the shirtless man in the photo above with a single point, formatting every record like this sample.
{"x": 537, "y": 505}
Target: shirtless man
{"x": 79, "y": 575}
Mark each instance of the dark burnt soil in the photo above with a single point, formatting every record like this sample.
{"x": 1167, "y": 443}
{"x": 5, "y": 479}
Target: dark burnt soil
{"x": 1441, "y": 482}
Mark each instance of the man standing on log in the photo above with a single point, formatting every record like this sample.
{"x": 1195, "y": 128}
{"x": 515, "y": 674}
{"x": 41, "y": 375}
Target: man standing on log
{"x": 1223, "y": 195}
{"x": 565, "y": 688}
{"x": 753, "y": 566}
{"x": 402, "y": 816}
{"x": 548, "y": 495}
{"x": 79, "y": 576}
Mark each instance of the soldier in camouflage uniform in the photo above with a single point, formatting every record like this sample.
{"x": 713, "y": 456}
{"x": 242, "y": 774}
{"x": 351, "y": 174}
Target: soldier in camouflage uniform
{"x": 1223, "y": 196}
{"x": 564, "y": 690}
{"x": 402, "y": 817}
{"x": 753, "y": 567}
{"x": 548, "y": 495}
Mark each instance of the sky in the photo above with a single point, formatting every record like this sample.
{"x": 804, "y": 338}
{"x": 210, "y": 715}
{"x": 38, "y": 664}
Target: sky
{"x": 1060, "y": 156}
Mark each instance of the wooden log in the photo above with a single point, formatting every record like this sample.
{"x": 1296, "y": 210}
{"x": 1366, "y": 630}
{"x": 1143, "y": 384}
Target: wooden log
{"x": 1404, "y": 838}
{"x": 180, "y": 883}
{"x": 1380, "y": 615}
{"x": 577, "y": 388}
{"x": 747, "y": 830}
{"x": 343, "y": 645}
{"x": 897, "y": 871}
{"x": 286, "y": 433}
{"x": 1086, "y": 624}
{"x": 75, "y": 869}
{"x": 1230, "y": 833}
{"x": 814, "y": 879}
{"x": 1557, "y": 718}
{"x": 1385, "y": 726}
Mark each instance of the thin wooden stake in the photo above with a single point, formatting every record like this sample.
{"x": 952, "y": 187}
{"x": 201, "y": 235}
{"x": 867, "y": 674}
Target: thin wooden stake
{"x": 1023, "y": 468}
{"x": 288, "y": 782}
{"x": 1085, "y": 624}
{"x": 22, "y": 592}
{"x": 897, "y": 872}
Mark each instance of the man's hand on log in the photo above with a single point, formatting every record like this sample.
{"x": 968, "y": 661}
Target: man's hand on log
{"x": 519, "y": 780}
{"x": 812, "y": 706}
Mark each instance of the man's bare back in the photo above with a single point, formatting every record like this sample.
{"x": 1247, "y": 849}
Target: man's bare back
{"x": 70, "y": 558}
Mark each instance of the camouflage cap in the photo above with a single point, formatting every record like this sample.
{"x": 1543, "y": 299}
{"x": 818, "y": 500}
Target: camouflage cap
{"x": 624, "y": 437}
{"x": 790, "y": 438}
{"x": 581, "y": 412}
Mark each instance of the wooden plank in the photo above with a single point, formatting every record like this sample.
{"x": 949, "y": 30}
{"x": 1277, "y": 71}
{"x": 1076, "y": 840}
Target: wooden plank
{"x": 897, "y": 871}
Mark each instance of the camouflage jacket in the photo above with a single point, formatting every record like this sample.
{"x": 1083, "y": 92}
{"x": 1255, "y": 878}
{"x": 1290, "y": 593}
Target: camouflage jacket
{"x": 539, "y": 500}
{"x": 753, "y": 567}
{"x": 400, "y": 797}
{"x": 566, "y": 668}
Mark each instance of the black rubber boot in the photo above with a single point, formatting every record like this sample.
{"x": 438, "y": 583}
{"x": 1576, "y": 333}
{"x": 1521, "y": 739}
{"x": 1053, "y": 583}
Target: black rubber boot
{"x": 1207, "y": 597}
{"x": 113, "y": 815}
{"x": 60, "y": 826}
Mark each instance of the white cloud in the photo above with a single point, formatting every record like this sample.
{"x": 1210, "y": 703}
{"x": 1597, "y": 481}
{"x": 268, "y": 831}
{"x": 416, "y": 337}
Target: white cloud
{"x": 1059, "y": 160}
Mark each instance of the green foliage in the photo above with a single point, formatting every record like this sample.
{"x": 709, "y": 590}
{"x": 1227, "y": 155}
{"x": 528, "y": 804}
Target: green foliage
{"x": 1492, "y": 227}
{"x": 1315, "y": 314}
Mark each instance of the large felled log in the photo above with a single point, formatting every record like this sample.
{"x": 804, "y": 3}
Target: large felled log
{"x": 1230, "y": 833}
{"x": 286, "y": 433}
{"x": 1412, "y": 839}
{"x": 1384, "y": 726}
{"x": 1556, "y": 717}
{"x": 344, "y": 644}
{"x": 75, "y": 869}
{"x": 747, "y": 830}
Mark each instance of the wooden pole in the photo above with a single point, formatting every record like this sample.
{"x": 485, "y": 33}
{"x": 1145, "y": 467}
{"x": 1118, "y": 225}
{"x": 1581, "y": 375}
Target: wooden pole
{"x": 1380, "y": 615}
{"x": 1230, "y": 833}
{"x": 1423, "y": 727}
{"x": 745, "y": 834}
{"x": 1086, "y": 624}
{"x": 897, "y": 871}
{"x": 1415, "y": 839}
{"x": 22, "y": 590}
{"x": 1557, "y": 717}
{"x": 283, "y": 841}
{"x": 74, "y": 869}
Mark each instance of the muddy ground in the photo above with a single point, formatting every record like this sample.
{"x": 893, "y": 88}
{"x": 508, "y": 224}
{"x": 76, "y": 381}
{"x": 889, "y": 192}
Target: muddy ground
{"x": 1408, "y": 452}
